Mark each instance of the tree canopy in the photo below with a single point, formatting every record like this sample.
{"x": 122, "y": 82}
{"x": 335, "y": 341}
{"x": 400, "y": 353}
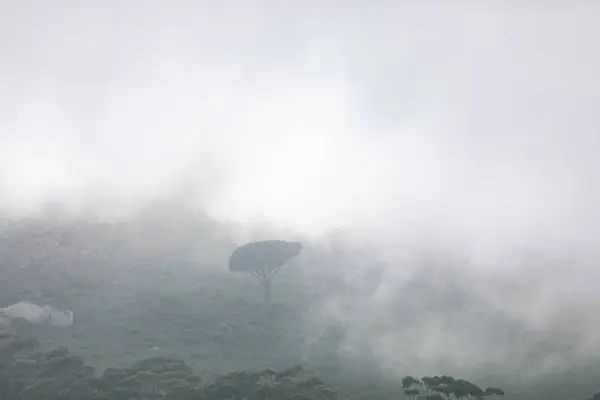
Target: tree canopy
{"x": 445, "y": 387}
{"x": 58, "y": 375}
{"x": 263, "y": 259}
{"x": 256, "y": 255}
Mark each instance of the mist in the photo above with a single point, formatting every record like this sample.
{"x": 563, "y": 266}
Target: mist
{"x": 462, "y": 130}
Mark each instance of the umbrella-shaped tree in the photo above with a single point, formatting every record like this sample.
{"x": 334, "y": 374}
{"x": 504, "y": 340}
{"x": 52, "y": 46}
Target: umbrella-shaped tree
{"x": 263, "y": 259}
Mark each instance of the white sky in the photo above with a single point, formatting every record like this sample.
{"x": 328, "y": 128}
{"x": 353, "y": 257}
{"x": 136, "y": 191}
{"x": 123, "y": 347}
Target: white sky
{"x": 477, "y": 121}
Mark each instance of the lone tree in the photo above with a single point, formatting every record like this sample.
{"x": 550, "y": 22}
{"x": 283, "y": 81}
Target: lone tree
{"x": 263, "y": 259}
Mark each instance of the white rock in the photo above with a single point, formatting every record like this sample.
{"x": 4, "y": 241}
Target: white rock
{"x": 37, "y": 315}
{"x": 27, "y": 311}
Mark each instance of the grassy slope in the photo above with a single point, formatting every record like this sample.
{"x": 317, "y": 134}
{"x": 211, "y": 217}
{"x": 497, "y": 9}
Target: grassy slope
{"x": 136, "y": 295}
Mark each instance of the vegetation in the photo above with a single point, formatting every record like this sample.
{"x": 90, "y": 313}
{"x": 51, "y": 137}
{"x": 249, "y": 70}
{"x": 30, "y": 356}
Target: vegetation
{"x": 58, "y": 375}
{"x": 157, "y": 288}
{"x": 445, "y": 387}
{"x": 263, "y": 259}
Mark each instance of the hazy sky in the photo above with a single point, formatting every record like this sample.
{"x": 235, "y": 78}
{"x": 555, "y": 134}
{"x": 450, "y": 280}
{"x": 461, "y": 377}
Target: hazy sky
{"x": 462, "y": 119}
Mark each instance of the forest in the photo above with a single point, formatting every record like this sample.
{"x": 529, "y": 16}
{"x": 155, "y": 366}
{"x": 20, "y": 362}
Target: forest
{"x": 157, "y": 314}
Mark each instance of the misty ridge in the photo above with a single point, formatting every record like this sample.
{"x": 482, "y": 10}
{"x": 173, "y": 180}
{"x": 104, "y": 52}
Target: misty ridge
{"x": 427, "y": 312}
{"x": 439, "y": 164}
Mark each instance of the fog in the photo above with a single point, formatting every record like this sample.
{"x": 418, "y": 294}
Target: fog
{"x": 469, "y": 129}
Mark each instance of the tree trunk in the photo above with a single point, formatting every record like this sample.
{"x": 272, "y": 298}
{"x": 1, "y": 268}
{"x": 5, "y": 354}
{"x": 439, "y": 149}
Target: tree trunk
{"x": 267, "y": 285}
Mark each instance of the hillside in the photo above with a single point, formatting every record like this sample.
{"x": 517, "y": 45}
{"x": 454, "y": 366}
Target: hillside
{"x": 160, "y": 288}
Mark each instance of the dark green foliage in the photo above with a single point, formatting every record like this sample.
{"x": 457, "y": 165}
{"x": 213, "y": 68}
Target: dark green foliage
{"x": 263, "y": 259}
{"x": 256, "y": 255}
{"x": 491, "y": 391}
{"x": 57, "y": 375}
{"x": 445, "y": 387}
{"x": 408, "y": 381}
{"x": 12, "y": 345}
{"x": 594, "y": 397}
{"x": 151, "y": 378}
{"x": 435, "y": 396}
{"x": 268, "y": 384}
